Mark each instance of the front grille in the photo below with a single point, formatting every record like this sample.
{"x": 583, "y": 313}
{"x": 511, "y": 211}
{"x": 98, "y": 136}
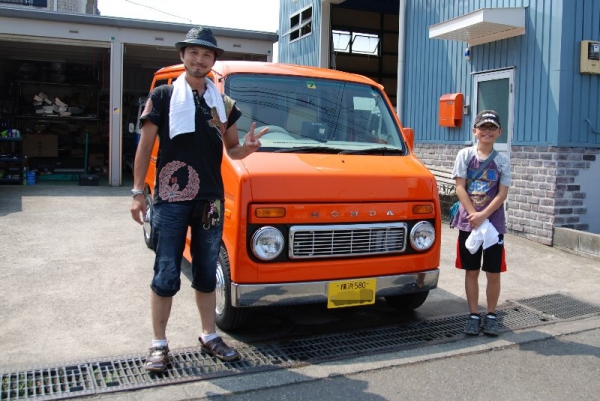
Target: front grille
{"x": 329, "y": 241}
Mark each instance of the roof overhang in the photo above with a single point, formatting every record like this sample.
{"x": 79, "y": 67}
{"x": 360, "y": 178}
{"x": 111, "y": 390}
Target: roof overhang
{"x": 482, "y": 26}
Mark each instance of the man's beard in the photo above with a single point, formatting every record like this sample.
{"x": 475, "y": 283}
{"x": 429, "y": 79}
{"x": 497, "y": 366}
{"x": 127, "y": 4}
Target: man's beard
{"x": 199, "y": 74}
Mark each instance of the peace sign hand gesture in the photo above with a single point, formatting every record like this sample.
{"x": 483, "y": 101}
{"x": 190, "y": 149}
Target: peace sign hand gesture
{"x": 252, "y": 139}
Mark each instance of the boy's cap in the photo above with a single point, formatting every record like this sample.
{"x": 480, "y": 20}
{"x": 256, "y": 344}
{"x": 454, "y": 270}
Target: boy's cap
{"x": 487, "y": 116}
{"x": 200, "y": 36}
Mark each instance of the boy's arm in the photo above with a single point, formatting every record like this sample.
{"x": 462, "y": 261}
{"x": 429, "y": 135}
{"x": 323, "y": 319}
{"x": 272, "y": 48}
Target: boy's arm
{"x": 463, "y": 196}
{"x": 477, "y": 218}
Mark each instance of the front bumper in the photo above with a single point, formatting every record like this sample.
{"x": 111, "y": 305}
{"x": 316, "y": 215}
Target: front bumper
{"x": 249, "y": 295}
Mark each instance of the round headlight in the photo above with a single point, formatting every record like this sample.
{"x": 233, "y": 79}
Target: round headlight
{"x": 422, "y": 236}
{"x": 267, "y": 243}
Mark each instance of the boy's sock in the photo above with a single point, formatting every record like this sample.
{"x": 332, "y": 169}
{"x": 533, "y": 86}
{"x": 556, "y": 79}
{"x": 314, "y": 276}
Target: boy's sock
{"x": 491, "y": 315}
{"x": 474, "y": 316}
{"x": 208, "y": 337}
{"x": 159, "y": 343}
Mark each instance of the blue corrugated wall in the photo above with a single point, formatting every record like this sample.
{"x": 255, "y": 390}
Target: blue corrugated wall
{"x": 304, "y": 51}
{"x": 580, "y": 94}
{"x": 552, "y": 99}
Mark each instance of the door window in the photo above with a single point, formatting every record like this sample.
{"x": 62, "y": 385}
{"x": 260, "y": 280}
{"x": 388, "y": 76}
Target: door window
{"x": 493, "y": 91}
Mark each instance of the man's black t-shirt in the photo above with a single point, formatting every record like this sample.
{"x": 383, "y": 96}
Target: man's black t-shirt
{"x": 189, "y": 165}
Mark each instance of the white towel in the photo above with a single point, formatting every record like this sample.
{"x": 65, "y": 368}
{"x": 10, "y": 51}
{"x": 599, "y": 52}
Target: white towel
{"x": 213, "y": 99}
{"x": 182, "y": 106}
{"x": 485, "y": 234}
{"x": 183, "y": 110}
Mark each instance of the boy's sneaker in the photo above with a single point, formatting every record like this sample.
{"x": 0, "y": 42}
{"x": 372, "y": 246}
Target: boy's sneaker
{"x": 490, "y": 326}
{"x": 472, "y": 326}
{"x": 157, "y": 359}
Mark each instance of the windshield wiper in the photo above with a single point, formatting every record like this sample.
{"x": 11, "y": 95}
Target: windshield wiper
{"x": 374, "y": 151}
{"x": 309, "y": 149}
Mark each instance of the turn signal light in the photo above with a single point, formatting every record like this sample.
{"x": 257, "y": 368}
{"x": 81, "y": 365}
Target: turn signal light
{"x": 270, "y": 212}
{"x": 422, "y": 209}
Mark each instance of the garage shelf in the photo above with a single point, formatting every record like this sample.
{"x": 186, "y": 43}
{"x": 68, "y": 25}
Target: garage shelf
{"x": 8, "y": 163}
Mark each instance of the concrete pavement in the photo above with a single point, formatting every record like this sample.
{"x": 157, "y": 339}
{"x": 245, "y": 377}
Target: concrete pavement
{"x": 74, "y": 276}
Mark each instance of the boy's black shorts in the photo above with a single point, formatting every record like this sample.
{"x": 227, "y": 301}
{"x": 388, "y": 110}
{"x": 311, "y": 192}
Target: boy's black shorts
{"x": 493, "y": 258}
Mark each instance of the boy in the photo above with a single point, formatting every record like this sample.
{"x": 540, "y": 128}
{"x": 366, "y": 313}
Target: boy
{"x": 481, "y": 198}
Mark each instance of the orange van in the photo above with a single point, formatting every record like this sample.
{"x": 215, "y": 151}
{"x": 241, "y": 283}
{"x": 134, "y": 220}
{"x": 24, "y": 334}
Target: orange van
{"x": 334, "y": 208}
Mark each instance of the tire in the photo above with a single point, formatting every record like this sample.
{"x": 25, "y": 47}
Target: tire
{"x": 407, "y": 302}
{"x": 147, "y": 227}
{"x": 227, "y": 317}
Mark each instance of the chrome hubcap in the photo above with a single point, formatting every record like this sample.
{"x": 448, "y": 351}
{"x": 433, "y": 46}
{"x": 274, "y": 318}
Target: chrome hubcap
{"x": 220, "y": 290}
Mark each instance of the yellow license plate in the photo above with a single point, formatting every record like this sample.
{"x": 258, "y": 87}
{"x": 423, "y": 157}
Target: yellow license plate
{"x": 351, "y": 293}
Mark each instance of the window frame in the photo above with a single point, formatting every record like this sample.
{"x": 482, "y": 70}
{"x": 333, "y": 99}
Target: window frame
{"x": 350, "y": 48}
{"x": 301, "y": 24}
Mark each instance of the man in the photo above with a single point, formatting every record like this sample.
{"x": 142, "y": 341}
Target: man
{"x": 193, "y": 123}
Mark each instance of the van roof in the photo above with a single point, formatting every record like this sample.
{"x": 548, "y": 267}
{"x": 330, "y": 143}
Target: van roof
{"x": 258, "y": 67}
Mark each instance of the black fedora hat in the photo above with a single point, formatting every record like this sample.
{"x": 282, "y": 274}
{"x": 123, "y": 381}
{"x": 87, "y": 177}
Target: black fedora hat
{"x": 200, "y": 36}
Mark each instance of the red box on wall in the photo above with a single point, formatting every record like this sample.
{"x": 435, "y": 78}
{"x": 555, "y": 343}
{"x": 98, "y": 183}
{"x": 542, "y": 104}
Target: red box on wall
{"x": 451, "y": 110}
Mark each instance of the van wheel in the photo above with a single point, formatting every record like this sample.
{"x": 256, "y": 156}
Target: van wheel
{"x": 228, "y": 317}
{"x": 148, "y": 222}
{"x": 407, "y": 302}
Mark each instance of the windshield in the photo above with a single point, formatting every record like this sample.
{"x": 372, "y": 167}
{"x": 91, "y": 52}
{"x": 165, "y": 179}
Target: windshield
{"x": 313, "y": 115}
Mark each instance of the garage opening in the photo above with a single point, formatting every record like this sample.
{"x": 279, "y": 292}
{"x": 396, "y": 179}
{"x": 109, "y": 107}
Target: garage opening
{"x": 52, "y": 108}
{"x": 67, "y": 103}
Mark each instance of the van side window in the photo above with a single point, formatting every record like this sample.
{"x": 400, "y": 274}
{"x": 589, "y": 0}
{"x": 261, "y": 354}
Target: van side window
{"x": 160, "y": 82}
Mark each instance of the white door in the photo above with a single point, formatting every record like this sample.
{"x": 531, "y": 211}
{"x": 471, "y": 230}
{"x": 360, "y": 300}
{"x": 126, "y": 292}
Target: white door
{"x": 494, "y": 90}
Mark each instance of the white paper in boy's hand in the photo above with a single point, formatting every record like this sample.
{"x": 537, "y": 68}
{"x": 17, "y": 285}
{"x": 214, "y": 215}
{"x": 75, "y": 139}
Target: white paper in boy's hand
{"x": 485, "y": 234}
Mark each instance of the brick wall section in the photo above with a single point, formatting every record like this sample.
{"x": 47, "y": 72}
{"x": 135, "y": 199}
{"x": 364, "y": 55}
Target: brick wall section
{"x": 544, "y": 192}
{"x": 569, "y": 196}
{"x": 436, "y": 155}
{"x": 441, "y": 157}
{"x": 532, "y": 196}
{"x": 72, "y": 6}
{"x": 91, "y": 7}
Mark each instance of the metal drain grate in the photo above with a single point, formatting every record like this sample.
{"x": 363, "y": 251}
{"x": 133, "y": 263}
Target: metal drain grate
{"x": 560, "y": 305}
{"x": 50, "y": 383}
{"x": 128, "y": 373}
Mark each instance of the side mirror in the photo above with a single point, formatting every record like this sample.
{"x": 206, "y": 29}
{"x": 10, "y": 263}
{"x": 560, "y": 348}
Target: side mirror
{"x": 409, "y": 137}
{"x": 131, "y": 128}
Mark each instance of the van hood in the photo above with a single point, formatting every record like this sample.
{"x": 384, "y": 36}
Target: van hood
{"x": 337, "y": 178}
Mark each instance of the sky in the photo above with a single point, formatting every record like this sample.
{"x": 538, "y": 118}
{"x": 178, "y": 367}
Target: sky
{"x": 254, "y": 15}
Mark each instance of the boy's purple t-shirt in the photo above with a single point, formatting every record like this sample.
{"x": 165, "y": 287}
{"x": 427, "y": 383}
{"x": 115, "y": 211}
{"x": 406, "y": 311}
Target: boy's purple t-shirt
{"x": 482, "y": 190}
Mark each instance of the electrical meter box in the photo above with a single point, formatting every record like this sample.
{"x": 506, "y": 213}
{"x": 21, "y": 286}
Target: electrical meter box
{"x": 590, "y": 57}
{"x": 451, "y": 110}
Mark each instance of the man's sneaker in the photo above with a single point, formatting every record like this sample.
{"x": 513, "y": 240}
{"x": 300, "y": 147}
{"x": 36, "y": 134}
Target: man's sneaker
{"x": 219, "y": 349}
{"x": 157, "y": 359}
{"x": 472, "y": 326}
{"x": 490, "y": 326}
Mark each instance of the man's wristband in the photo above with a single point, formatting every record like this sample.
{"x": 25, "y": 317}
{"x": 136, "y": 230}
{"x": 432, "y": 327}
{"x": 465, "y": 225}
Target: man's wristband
{"x": 136, "y": 192}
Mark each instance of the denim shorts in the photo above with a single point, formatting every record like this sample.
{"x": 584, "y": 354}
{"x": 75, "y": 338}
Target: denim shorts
{"x": 170, "y": 222}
